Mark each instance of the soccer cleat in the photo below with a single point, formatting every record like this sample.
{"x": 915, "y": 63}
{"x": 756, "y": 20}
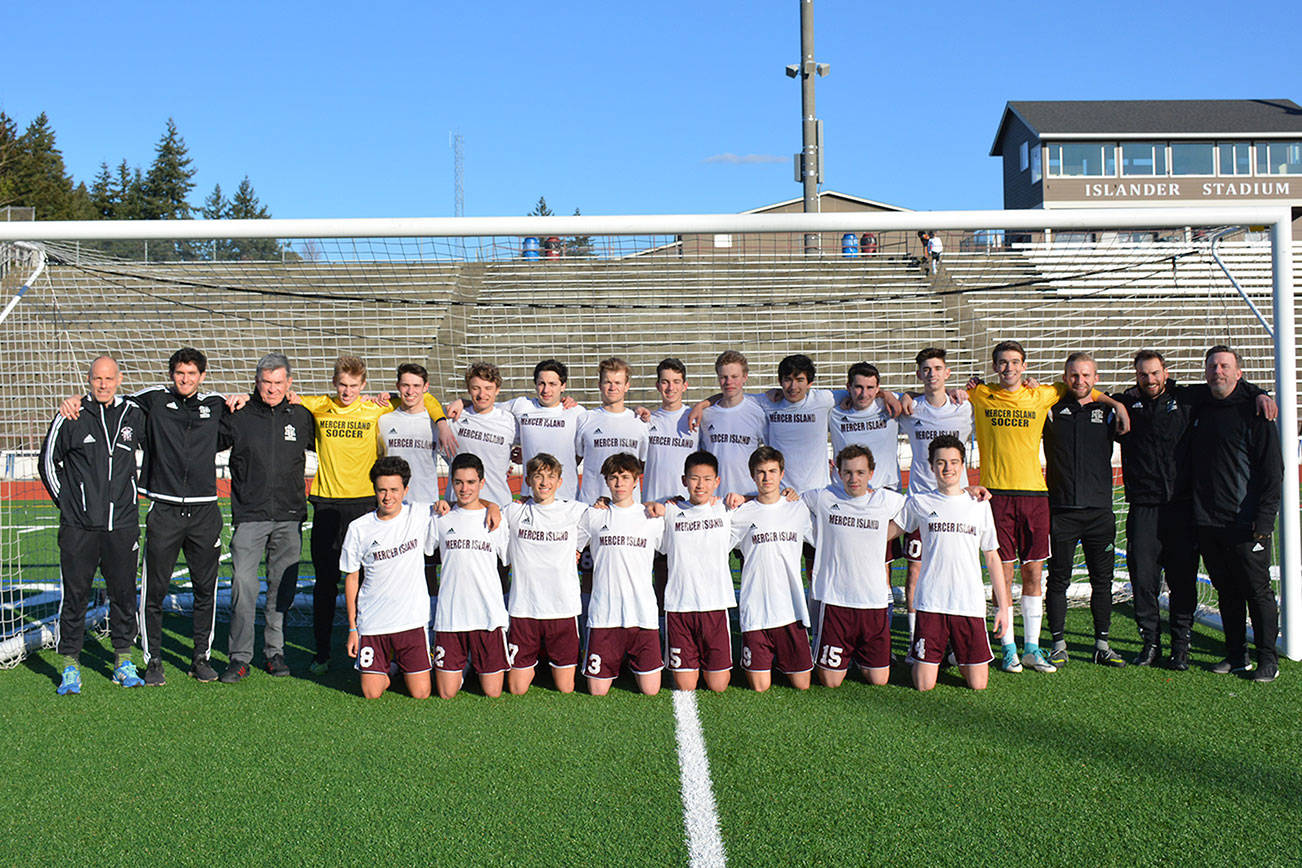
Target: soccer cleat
{"x": 1149, "y": 655}
{"x": 1058, "y": 657}
{"x": 276, "y": 666}
{"x": 1108, "y": 657}
{"x": 1238, "y": 665}
{"x": 1010, "y": 663}
{"x": 951, "y": 659}
{"x": 1266, "y": 672}
{"x": 319, "y": 667}
{"x": 235, "y": 673}
{"x": 1179, "y": 661}
{"x": 71, "y": 682}
{"x": 154, "y": 674}
{"x": 201, "y": 670}
{"x": 127, "y": 676}
{"x": 1034, "y": 659}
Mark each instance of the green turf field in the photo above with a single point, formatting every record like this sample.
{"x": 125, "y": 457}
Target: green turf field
{"x": 1086, "y": 766}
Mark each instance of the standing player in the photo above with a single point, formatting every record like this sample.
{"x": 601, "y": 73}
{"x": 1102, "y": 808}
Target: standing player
{"x": 951, "y": 601}
{"x": 388, "y": 616}
{"x": 545, "y": 604}
{"x": 698, "y": 541}
{"x": 798, "y": 424}
{"x": 488, "y": 431}
{"x": 88, "y": 465}
{"x": 1078, "y": 458}
{"x": 611, "y": 429}
{"x": 732, "y": 428}
{"x": 346, "y": 446}
{"x": 771, "y": 532}
{"x": 470, "y": 619}
{"x": 923, "y": 421}
{"x": 852, "y": 526}
{"x": 410, "y": 433}
{"x": 868, "y": 422}
{"x": 623, "y": 622}
{"x": 1009, "y": 420}
{"x": 670, "y": 439}
{"x": 547, "y": 425}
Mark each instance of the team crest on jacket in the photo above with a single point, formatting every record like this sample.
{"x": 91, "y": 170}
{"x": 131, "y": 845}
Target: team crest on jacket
{"x": 1096, "y": 415}
{"x": 291, "y": 434}
{"x": 205, "y": 411}
{"x": 126, "y": 434}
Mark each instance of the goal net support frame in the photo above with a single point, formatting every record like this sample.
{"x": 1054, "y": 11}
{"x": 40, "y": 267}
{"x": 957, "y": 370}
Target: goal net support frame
{"x": 1277, "y": 219}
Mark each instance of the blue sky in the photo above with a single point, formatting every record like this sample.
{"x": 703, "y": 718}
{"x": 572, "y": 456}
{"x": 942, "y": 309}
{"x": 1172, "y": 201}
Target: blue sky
{"x": 339, "y": 110}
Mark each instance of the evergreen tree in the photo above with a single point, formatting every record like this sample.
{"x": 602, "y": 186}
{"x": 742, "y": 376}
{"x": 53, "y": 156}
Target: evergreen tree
{"x": 167, "y": 188}
{"x": 245, "y": 206}
{"x": 215, "y": 207}
{"x": 39, "y": 177}
{"x": 541, "y": 209}
{"x": 578, "y": 245}
{"x": 8, "y": 158}
{"x": 102, "y": 195}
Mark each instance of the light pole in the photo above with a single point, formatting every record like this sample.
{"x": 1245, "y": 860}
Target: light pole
{"x": 809, "y": 162}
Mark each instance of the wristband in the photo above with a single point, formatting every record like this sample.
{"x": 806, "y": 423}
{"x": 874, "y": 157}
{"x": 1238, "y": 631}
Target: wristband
{"x": 352, "y": 629}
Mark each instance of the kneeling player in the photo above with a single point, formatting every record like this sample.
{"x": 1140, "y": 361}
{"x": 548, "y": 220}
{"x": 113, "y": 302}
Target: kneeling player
{"x": 852, "y": 526}
{"x": 699, "y": 593}
{"x": 545, "y": 604}
{"x": 470, "y": 619}
{"x": 388, "y": 616}
{"x": 623, "y": 620}
{"x": 771, "y": 532}
{"x": 950, "y": 597}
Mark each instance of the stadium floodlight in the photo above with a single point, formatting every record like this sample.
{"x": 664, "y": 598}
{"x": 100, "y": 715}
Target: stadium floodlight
{"x": 448, "y": 291}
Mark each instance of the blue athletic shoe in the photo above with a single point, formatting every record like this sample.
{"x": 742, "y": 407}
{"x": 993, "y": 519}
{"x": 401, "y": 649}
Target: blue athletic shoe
{"x": 1011, "y": 662}
{"x": 71, "y": 682}
{"x": 126, "y": 675}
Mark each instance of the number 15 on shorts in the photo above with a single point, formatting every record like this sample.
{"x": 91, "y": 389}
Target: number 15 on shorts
{"x": 829, "y": 656}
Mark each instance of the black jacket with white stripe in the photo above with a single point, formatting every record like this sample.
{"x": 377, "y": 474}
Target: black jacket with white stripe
{"x": 88, "y": 464}
{"x": 180, "y": 445}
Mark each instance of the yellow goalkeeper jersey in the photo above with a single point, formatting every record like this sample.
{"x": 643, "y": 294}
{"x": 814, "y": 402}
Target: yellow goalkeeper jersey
{"x": 347, "y": 443}
{"x": 1008, "y": 430}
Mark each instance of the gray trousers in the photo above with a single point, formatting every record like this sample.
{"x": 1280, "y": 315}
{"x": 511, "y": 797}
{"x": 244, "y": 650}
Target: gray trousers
{"x": 282, "y": 543}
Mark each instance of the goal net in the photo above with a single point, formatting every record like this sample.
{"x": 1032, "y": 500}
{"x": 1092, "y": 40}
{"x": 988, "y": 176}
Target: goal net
{"x": 840, "y": 288}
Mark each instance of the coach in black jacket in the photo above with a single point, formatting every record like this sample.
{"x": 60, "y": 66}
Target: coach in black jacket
{"x": 269, "y": 439}
{"x": 1238, "y": 474}
{"x": 88, "y": 465}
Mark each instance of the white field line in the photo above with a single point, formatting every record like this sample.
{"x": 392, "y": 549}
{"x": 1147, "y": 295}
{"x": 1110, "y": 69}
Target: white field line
{"x": 701, "y": 821}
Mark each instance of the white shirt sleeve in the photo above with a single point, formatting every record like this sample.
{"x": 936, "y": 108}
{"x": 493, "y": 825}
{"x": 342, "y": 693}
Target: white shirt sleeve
{"x": 350, "y": 556}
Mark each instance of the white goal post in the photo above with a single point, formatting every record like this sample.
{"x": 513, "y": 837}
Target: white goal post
{"x": 1278, "y": 221}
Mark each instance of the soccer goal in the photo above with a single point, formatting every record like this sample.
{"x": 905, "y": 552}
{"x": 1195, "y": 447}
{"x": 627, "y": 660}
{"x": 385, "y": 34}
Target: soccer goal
{"x": 840, "y": 288}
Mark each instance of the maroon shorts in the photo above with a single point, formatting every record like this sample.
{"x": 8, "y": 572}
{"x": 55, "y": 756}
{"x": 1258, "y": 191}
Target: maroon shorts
{"x": 1021, "y": 526}
{"x": 559, "y": 637}
{"x": 485, "y": 648}
{"x": 408, "y": 648}
{"x": 787, "y": 647}
{"x": 933, "y": 632}
{"x": 698, "y": 640}
{"x": 609, "y": 647}
{"x": 864, "y": 634}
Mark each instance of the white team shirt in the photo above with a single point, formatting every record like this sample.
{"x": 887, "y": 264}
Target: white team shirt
{"x": 393, "y": 596}
{"x": 490, "y": 436}
{"x": 542, "y": 541}
{"x": 926, "y": 424}
{"x": 799, "y": 432}
{"x": 873, "y": 428}
{"x": 623, "y": 541}
{"x": 731, "y": 434}
{"x": 411, "y": 436}
{"x": 470, "y": 589}
{"x": 850, "y": 538}
{"x": 772, "y": 538}
{"x": 601, "y": 434}
{"x": 955, "y": 530}
{"x": 550, "y": 430}
{"x": 698, "y": 540}
{"x": 669, "y": 442}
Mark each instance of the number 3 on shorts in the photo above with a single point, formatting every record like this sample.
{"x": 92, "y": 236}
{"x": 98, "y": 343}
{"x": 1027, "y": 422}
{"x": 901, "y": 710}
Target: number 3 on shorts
{"x": 594, "y": 664}
{"x": 366, "y": 657}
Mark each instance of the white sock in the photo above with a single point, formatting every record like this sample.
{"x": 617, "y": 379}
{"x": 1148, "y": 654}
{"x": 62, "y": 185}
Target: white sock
{"x": 1032, "y": 615}
{"x": 913, "y": 620}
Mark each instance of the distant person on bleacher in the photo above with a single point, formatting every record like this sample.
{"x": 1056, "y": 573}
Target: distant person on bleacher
{"x": 1237, "y": 487}
{"x": 88, "y": 465}
{"x": 269, "y": 439}
{"x": 935, "y": 247}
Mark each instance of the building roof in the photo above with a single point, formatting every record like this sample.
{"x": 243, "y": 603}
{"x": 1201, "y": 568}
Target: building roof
{"x": 1169, "y": 118}
{"x": 833, "y": 194}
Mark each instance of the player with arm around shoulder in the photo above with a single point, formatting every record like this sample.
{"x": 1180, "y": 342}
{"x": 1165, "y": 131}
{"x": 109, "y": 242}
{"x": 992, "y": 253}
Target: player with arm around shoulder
{"x": 543, "y": 541}
{"x": 950, "y": 596}
{"x": 388, "y": 616}
{"x": 771, "y": 533}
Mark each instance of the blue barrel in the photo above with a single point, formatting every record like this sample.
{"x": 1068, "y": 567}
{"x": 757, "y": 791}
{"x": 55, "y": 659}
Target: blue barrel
{"x": 850, "y": 245}
{"x": 531, "y": 247}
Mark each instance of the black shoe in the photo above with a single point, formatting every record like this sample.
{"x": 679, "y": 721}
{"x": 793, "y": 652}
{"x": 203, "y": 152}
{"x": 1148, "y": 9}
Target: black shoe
{"x": 1179, "y": 661}
{"x": 1108, "y": 657}
{"x": 1267, "y": 672}
{"x": 201, "y": 670}
{"x": 235, "y": 673}
{"x": 154, "y": 674}
{"x": 1239, "y": 665}
{"x": 276, "y": 666}
{"x": 1149, "y": 655}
